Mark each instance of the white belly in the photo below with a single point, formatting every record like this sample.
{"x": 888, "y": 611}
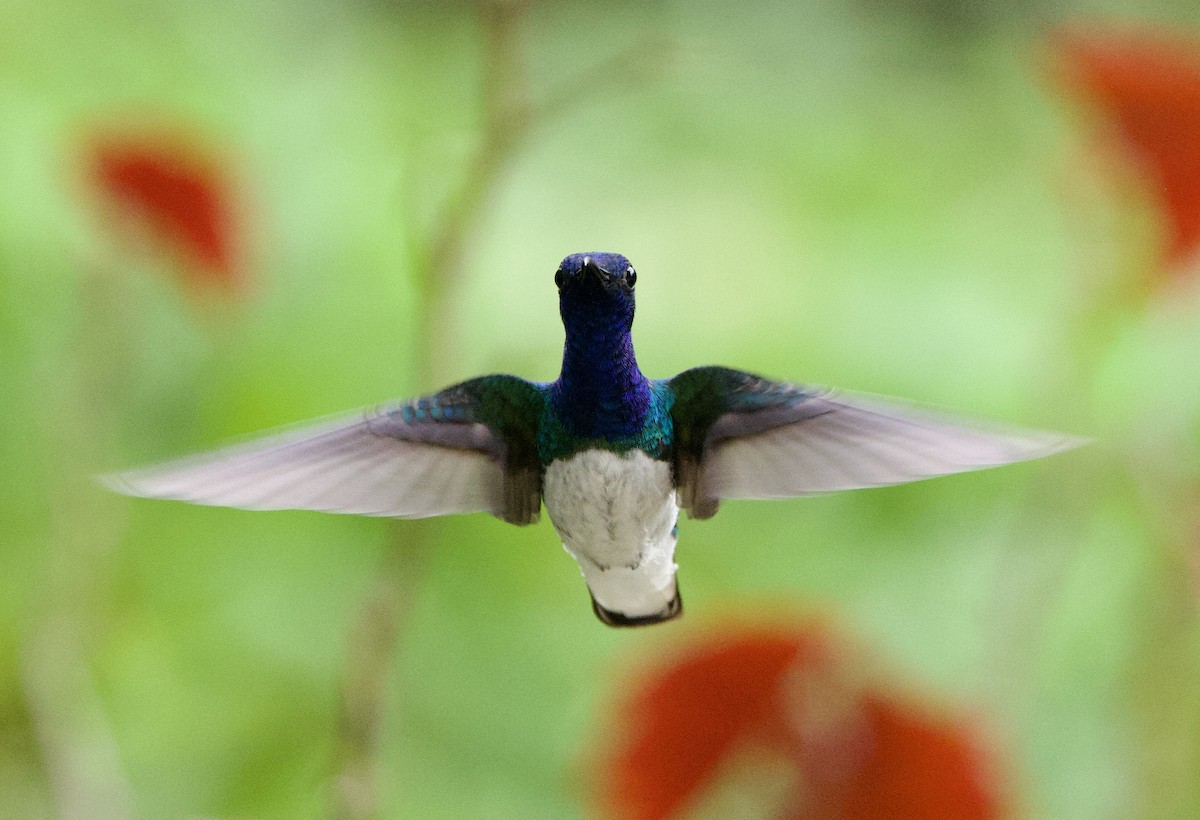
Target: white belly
{"x": 616, "y": 516}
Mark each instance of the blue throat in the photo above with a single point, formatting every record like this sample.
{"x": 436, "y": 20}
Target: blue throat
{"x": 601, "y": 393}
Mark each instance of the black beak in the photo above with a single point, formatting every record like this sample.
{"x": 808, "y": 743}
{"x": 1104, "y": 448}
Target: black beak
{"x": 590, "y": 268}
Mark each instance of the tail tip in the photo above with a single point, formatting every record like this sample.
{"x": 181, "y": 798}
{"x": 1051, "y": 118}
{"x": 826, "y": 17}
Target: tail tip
{"x": 620, "y": 620}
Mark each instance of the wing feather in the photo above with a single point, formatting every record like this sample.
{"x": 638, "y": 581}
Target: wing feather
{"x": 738, "y": 435}
{"x": 469, "y": 448}
{"x": 345, "y": 466}
{"x": 864, "y": 441}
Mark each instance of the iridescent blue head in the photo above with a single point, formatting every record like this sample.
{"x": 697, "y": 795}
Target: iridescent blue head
{"x": 596, "y": 288}
{"x": 600, "y": 393}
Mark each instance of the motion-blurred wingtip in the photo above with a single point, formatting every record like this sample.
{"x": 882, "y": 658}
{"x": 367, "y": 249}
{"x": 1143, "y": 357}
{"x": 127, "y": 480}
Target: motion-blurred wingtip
{"x": 1061, "y": 443}
{"x": 115, "y": 482}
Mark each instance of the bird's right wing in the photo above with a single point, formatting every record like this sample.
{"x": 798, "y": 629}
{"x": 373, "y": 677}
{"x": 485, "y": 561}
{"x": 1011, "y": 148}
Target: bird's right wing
{"x": 742, "y": 436}
{"x": 469, "y": 448}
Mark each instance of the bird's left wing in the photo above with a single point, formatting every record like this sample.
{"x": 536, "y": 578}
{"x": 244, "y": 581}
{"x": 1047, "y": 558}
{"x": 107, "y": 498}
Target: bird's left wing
{"x": 738, "y": 435}
{"x": 470, "y": 448}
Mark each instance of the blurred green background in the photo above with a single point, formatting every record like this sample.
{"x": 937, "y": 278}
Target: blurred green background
{"x": 892, "y": 197}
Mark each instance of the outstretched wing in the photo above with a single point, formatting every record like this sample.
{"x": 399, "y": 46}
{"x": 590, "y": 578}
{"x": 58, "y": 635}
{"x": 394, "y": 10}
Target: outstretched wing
{"x": 738, "y": 435}
{"x": 470, "y": 448}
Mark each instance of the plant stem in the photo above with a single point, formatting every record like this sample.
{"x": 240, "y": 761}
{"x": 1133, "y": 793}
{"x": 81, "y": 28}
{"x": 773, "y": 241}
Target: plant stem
{"x": 437, "y": 272}
{"x": 79, "y": 753}
{"x": 509, "y": 117}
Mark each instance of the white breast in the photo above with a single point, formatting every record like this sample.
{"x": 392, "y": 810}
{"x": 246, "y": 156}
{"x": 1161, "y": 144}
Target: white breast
{"x": 616, "y": 516}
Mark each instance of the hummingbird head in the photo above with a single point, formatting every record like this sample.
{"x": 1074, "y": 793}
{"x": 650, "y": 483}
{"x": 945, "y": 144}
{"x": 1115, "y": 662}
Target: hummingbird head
{"x": 596, "y": 289}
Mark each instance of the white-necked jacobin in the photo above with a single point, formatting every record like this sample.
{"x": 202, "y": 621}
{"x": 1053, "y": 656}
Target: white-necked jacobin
{"x": 613, "y": 454}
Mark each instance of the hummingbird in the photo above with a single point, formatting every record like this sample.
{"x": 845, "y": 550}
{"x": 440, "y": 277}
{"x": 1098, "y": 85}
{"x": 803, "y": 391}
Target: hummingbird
{"x": 612, "y": 454}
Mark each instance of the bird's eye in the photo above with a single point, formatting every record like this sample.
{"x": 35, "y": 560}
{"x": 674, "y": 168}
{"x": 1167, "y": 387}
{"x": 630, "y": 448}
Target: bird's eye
{"x": 630, "y": 276}
{"x": 559, "y": 278}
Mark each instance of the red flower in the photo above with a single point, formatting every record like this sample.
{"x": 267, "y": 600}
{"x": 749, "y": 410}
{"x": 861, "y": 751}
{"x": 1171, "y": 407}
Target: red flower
{"x": 1145, "y": 84}
{"x": 177, "y": 195}
{"x": 844, "y": 750}
{"x": 913, "y": 766}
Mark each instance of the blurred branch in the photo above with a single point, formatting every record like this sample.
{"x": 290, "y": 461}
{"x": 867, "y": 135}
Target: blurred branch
{"x": 78, "y": 751}
{"x": 437, "y": 270}
{"x": 639, "y": 63}
{"x": 509, "y": 117}
{"x": 368, "y": 661}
